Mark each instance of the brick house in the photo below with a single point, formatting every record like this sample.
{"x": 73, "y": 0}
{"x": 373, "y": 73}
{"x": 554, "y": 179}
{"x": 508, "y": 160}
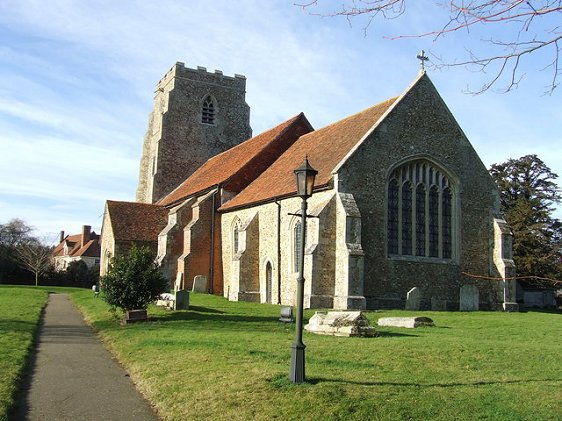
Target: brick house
{"x": 77, "y": 247}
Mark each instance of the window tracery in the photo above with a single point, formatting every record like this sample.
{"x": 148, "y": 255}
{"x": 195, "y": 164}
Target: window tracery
{"x": 208, "y": 111}
{"x": 420, "y": 208}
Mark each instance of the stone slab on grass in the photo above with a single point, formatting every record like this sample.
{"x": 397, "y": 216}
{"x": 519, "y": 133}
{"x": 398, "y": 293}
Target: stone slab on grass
{"x": 408, "y": 322}
{"x": 340, "y": 323}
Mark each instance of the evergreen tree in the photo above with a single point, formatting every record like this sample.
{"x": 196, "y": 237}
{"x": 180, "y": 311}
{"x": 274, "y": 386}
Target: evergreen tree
{"x": 133, "y": 280}
{"x": 528, "y": 194}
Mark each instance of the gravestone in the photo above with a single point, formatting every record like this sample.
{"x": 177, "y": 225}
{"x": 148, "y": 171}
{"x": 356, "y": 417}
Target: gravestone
{"x": 438, "y": 305}
{"x": 409, "y": 322}
{"x": 134, "y": 316}
{"x": 199, "y": 284}
{"x": 286, "y": 315}
{"x": 469, "y": 300}
{"x": 413, "y": 299}
{"x": 340, "y": 323}
{"x": 179, "y": 280}
{"x": 182, "y": 300}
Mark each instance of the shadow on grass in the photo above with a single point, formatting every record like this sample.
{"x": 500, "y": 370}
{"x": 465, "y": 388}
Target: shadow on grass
{"x": 211, "y": 315}
{"x": 381, "y": 334}
{"x": 317, "y": 380}
{"x": 9, "y": 325}
{"x": 540, "y": 310}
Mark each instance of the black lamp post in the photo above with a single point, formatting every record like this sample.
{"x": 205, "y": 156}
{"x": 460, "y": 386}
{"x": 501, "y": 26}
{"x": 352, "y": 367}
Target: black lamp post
{"x": 305, "y": 175}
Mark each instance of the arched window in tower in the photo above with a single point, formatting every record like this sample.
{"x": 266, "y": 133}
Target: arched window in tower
{"x": 208, "y": 112}
{"x": 420, "y": 212}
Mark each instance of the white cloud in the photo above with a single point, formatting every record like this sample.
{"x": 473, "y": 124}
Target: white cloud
{"x": 78, "y": 80}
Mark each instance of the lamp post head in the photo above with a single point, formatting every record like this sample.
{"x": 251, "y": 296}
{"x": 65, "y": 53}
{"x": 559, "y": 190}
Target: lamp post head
{"x": 305, "y": 176}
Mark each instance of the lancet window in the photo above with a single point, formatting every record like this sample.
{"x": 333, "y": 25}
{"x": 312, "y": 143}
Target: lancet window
{"x": 208, "y": 112}
{"x": 236, "y": 237}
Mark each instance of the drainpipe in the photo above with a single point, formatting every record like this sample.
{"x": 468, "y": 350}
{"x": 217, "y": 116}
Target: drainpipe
{"x": 278, "y": 251}
{"x": 212, "y": 246}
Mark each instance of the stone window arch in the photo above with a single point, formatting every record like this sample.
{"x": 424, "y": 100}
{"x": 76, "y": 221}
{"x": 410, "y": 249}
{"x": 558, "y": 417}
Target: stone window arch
{"x": 235, "y": 236}
{"x": 208, "y": 110}
{"x": 421, "y": 210}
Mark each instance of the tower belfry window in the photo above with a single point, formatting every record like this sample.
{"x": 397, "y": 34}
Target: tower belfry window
{"x": 208, "y": 112}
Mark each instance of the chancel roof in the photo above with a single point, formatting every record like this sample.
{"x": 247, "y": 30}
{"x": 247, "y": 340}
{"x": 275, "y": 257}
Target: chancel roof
{"x": 325, "y": 149}
{"x": 240, "y": 165}
{"x": 134, "y": 221}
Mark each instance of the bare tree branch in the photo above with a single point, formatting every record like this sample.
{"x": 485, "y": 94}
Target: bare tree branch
{"x": 35, "y": 256}
{"x": 531, "y": 26}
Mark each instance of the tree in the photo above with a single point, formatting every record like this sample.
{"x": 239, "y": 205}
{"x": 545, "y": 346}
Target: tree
{"x": 133, "y": 281}
{"x": 12, "y": 234}
{"x": 35, "y": 256}
{"x": 527, "y": 194}
{"x": 79, "y": 273}
{"x": 526, "y": 27}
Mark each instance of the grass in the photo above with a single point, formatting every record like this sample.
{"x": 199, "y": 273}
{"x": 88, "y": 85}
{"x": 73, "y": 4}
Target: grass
{"x": 20, "y": 312}
{"x": 223, "y": 360}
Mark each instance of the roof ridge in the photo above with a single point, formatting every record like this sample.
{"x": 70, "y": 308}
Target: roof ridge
{"x": 233, "y": 159}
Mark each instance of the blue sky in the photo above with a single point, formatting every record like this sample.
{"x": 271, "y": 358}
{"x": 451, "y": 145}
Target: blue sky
{"x": 77, "y": 82}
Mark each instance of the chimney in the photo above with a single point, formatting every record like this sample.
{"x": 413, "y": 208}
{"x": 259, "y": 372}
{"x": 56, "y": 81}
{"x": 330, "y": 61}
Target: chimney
{"x": 61, "y": 236}
{"x": 85, "y": 234}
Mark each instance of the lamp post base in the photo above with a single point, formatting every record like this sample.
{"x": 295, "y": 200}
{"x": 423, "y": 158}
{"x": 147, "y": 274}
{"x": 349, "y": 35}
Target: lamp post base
{"x": 296, "y": 371}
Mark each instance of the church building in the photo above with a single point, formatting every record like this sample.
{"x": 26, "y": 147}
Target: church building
{"x": 402, "y": 205}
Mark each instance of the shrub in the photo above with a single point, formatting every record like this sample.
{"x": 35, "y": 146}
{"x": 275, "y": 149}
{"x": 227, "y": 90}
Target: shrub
{"x": 133, "y": 281}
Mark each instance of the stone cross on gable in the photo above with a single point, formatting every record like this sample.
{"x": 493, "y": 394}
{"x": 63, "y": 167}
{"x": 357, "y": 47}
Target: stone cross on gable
{"x": 422, "y": 58}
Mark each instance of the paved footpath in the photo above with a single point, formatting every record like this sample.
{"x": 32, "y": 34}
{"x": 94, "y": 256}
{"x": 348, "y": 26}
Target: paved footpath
{"x": 73, "y": 377}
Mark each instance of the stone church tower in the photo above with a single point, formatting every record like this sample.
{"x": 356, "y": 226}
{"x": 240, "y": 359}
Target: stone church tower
{"x": 196, "y": 115}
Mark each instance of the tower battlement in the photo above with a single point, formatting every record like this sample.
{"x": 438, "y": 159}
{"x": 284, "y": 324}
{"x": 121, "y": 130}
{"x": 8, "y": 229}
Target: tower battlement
{"x": 200, "y": 74}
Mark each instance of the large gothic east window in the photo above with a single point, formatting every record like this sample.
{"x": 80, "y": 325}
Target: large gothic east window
{"x": 420, "y": 209}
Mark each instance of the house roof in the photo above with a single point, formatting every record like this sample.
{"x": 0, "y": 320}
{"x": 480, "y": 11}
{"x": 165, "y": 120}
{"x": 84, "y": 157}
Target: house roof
{"x": 90, "y": 249}
{"x": 74, "y": 246}
{"x": 325, "y": 149}
{"x": 133, "y": 221}
{"x": 240, "y": 165}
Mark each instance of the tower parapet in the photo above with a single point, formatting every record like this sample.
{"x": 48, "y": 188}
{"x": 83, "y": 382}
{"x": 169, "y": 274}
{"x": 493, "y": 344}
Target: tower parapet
{"x": 197, "y": 114}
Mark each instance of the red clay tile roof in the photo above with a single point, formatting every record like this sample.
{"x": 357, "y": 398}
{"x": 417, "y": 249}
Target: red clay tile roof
{"x": 325, "y": 149}
{"x": 73, "y": 242}
{"x": 91, "y": 249}
{"x": 132, "y": 221}
{"x": 240, "y": 165}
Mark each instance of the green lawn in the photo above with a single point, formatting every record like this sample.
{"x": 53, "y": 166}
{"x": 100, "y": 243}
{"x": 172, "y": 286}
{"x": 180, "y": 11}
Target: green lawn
{"x": 20, "y": 311}
{"x": 223, "y": 360}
